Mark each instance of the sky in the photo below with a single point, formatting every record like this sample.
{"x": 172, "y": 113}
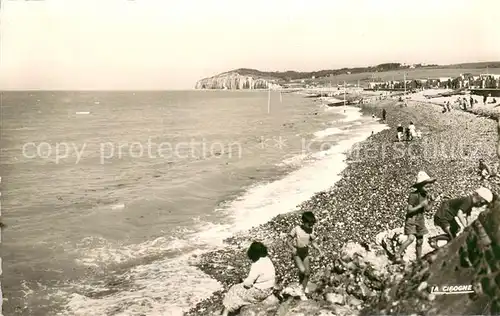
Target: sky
{"x": 167, "y": 44}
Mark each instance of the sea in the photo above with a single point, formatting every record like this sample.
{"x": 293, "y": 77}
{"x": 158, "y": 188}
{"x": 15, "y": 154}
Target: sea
{"x": 108, "y": 196}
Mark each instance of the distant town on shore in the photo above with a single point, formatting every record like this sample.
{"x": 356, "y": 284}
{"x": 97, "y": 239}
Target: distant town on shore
{"x": 387, "y": 76}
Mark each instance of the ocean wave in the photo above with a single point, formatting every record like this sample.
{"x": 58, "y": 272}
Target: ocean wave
{"x": 263, "y": 202}
{"x": 328, "y": 132}
{"x": 170, "y": 286}
{"x": 97, "y": 251}
{"x": 352, "y": 114}
{"x": 164, "y": 287}
{"x": 295, "y": 160}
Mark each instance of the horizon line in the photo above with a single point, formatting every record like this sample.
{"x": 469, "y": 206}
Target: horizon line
{"x": 93, "y": 90}
{"x": 133, "y": 90}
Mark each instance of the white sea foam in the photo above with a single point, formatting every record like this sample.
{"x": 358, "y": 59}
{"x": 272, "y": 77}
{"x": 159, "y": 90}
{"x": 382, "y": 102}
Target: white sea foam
{"x": 170, "y": 286}
{"x": 118, "y": 206}
{"x": 293, "y": 161}
{"x": 352, "y": 114}
{"x": 328, "y": 132}
{"x": 261, "y": 203}
{"x": 164, "y": 287}
{"x": 103, "y": 252}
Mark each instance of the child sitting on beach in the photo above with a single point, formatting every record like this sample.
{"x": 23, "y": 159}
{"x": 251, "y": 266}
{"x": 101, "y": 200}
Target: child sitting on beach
{"x": 258, "y": 285}
{"x": 300, "y": 238}
{"x": 484, "y": 171}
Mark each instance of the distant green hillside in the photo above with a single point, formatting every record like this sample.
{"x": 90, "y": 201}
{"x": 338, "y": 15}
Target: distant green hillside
{"x": 295, "y": 75}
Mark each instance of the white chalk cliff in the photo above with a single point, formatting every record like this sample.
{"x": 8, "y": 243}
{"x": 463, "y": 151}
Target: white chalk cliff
{"x": 235, "y": 81}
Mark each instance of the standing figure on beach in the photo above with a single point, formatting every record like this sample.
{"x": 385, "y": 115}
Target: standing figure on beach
{"x": 448, "y": 106}
{"x": 415, "y": 227}
{"x": 400, "y": 131}
{"x": 258, "y": 285}
{"x": 452, "y": 214}
{"x": 384, "y": 113}
{"x": 407, "y": 134}
{"x": 301, "y": 237}
{"x": 471, "y": 101}
{"x": 413, "y": 131}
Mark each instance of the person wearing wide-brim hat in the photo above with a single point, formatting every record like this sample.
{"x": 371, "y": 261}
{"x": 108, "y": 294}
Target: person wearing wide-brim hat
{"x": 415, "y": 227}
{"x": 452, "y": 214}
{"x": 423, "y": 179}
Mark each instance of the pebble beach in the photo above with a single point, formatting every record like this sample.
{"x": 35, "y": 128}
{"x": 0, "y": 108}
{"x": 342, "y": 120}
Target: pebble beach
{"x": 371, "y": 197}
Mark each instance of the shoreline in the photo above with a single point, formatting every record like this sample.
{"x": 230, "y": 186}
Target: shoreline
{"x": 369, "y": 197}
{"x": 215, "y": 262}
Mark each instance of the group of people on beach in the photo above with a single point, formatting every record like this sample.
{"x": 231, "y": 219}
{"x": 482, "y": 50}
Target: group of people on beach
{"x": 451, "y": 216}
{"x": 261, "y": 279}
{"x": 485, "y": 99}
{"x": 409, "y": 132}
{"x": 464, "y": 103}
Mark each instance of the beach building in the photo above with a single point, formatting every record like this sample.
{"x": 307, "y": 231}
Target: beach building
{"x": 495, "y": 76}
{"x": 434, "y": 83}
{"x": 490, "y": 81}
{"x": 373, "y": 85}
{"x": 466, "y": 80}
{"x": 423, "y": 83}
{"x": 445, "y": 79}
